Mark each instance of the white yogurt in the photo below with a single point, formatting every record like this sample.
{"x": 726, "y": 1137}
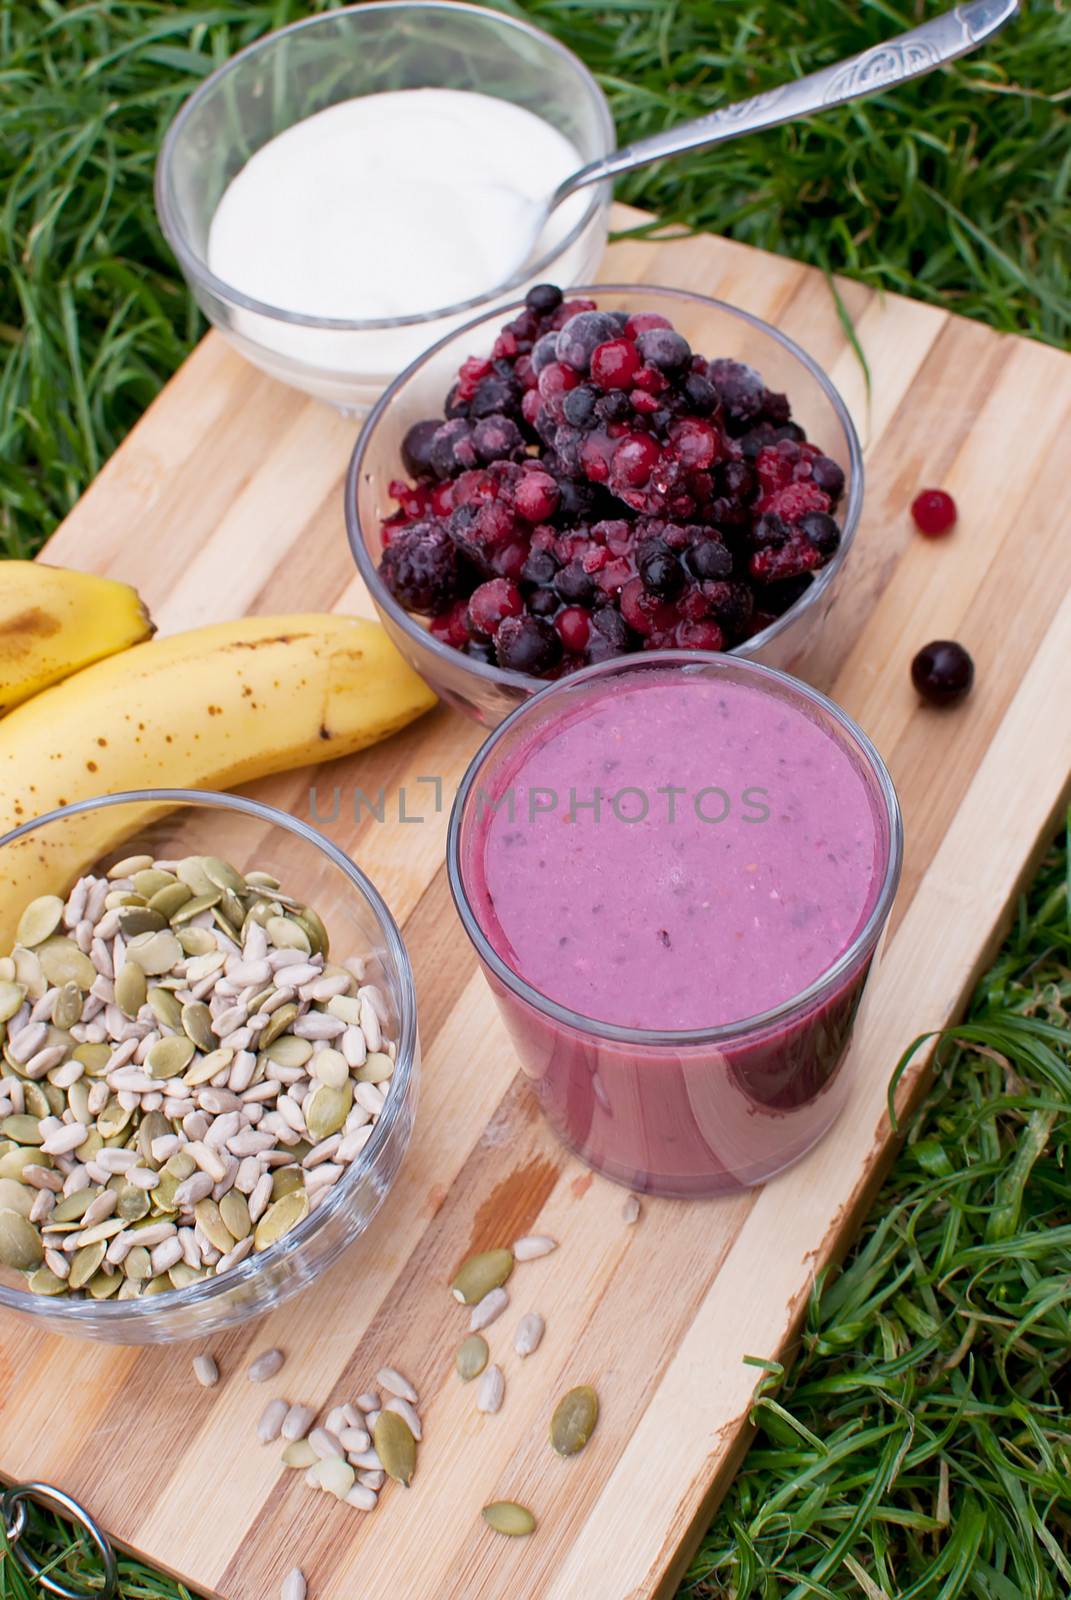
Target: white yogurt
{"x": 390, "y": 204}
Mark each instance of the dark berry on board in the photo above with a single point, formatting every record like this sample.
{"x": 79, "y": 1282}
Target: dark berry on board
{"x": 942, "y": 672}
{"x": 934, "y": 512}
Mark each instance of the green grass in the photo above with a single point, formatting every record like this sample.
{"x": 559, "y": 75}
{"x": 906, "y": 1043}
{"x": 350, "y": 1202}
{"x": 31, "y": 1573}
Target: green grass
{"x": 919, "y": 1448}
{"x": 956, "y": 189}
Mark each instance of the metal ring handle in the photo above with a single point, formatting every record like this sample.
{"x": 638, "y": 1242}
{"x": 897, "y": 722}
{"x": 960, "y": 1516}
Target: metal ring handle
{"x": 13, "y": 1514}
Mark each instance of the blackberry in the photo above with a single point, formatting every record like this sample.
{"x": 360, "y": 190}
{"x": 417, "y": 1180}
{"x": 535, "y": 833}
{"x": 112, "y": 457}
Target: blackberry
{"x": 420, "y": 568}
{"x": 775, "y": 407}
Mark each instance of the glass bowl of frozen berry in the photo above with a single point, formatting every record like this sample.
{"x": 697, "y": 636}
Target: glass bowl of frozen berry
{"x": 578, "y": 477}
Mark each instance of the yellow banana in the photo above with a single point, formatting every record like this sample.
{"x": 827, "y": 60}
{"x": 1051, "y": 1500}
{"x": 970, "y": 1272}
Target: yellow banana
{"x": 207, "y": 709}
{"x": 54, "y": 622}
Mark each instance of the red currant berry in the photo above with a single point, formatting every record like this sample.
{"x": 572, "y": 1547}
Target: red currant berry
{"x": 934, "y": 512}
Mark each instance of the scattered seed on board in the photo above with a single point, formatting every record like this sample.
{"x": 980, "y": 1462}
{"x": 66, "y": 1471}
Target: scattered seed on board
{"x": 488, "y": 1310}
{"x": 492, "y": 1391}
{"x": 265, "y": 1366}
{"x": 395, "y": 1446}
{"x": 205, "y": 1371}
{"x": 534, "y": 1245}
{"x": 297, "y": 1422}
{"x": 408, "y": 1413}
{"x": 271, "y": 1420}
{"x": 395, "y": 1382}
{"x": 506, "y": 1516}
{"x": 472, "y": 1357}
{"x": 294, "y": 1585}
{"x": 574, "y": 1420}
{"x": 477, "y": 1276}
{"x": 630, "y": 1211}
{"x": 529, "y": 1334}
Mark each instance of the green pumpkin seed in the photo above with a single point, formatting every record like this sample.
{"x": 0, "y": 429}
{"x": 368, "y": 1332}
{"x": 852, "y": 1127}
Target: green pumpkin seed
{"x": 346, "y": 1007}
{"x": 395, "y": 1447}
{"x": 78, "y": 1100}
{"x": 102, "y": 1285}
{"x": 280, "y": 1217}
{"x": 62, "y": 962}
{"x": 222, "y": 874}
{"x": 113, "y": 1119}
{"x": 122, "y": 897}
{"x": 130, "y": 989}
{"x": 11, "y": 997}
{"x": 153, "y": 1125}
{"x": 285, "y": 1180}
{"x": 170, "y": 899}
{"x": 103, "y": 1231}
{"x": 278, "y": 1024}
{"x": 212, "y": 1225}
{"x": 134, "y": 1203}
{"x": 128, "y": 865}
{"x": 140, "y": 919}
{"x": 574, "y": 1420}
{"x": 175, "y": 1170}
{"x": 16, "y": 1196}
{"x": 182, "y": 1274}
{"x": 90, "y": 1146}
{"x": 480, "y": 1274}
{"x": 204, "y": 1070}
{"x": 68, "y": 1008}
{"x": 234, "y": 1210}
{"x": 165, "y": 1008}
{"x": 138, "y": 1264}
{"x": 155, "y": 953}
{"x": 471, "y": 1358}
{"x": 506, "y": 1516}
{"x": 326, "y": 1109}
{"x": 14, "y": 1161}
{"x": 44, "y": 1281}
{"x": 74, "y": 1206}
{"x": 196, "y": 941}
{"x": 22, "y": 1128}
{"x": 158, "y": 1285}
{"x": 193, "y": 908}
{"x": 39, "y": 921}
{"x": 308, "y": 920}
{"x": 167, "y": 1058}
{"x": 259, "y": 912}
{"x": 84, "y": 1263}
{"x": 94, "y": 1058}
{"x": 299, "y": 1453}
{"x": 37, "y": 1102}
{"x": 191, "y": 871}
{"x": 377, "y": 1068}
{"x": 28, "y": 972}
{"x": 285, "y": 934}
{"x": 150, "y": 880}
{"x": 261, "y": 880}
{"x": 331, "y": 1067}
{"x": 197, "y": 1021}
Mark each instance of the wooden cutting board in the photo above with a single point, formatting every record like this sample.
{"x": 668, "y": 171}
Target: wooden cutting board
{"x": 226, "y": 497}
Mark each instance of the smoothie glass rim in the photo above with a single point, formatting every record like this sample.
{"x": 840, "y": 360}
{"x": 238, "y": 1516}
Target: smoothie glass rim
{"x": 863, "y": 942}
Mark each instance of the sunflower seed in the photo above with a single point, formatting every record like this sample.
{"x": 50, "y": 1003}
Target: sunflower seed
{"x": 630, "y": 1211}
{"x": 299, "y": 1419}
{"x": 294, "y": 1586}
{"x": 506, "y": 1516}
{"x": 325, "y": 1444}
{"x": 529, "y": 1334}
{"x": 408, "y": 1414}
{"x": 534, "y": 1245}
{"x": 354, "y": 1440}
{"x": 265, "y": 1366}
{"x": 488, "y": 1310}
{"x": 396, "y": 1383}
{"x": 491, "y": 1391}
{"x": 362, "y": 1497}
{"x": 271, "y": 1421}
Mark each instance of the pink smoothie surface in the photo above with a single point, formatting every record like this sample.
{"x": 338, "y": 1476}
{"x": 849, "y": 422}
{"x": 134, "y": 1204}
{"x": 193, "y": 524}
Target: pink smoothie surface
{"x": 676, "y": 853}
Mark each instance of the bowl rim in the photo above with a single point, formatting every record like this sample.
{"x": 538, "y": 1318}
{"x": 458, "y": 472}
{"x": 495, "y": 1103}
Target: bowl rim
{"x": 195, "y": 265}
{"x": 863, "y": 941}
{"x": 502, "y": 676}
{"x": 203, "y": 1295}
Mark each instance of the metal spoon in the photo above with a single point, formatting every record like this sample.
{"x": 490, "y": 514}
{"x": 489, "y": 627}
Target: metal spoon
{"x": 909, "y": 55}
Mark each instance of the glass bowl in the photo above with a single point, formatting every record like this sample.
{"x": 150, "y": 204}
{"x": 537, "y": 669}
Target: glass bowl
{"x": 711, "y": 327}
{"x": 340, "y": 55}
{"x": 178, "y": 822}
{"x": 677, "y": 1112}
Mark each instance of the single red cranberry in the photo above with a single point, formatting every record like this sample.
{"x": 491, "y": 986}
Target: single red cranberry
{"x": 649, "y": 380}
{"x": 704, "y": 635}
{"x": 595, "y": 458}
{"x": 508, "y": 560}
{"x": 942, "y": 672}
{"x": 645, "y": 613}
{"x": 694, "y": 442}
{"x": 493, "y": 601}
{"x": 640, "y": 321}
{"x": 934, "y": 512}
{"x": 614, "y": 364}
{"x": 531, "y": 406}
{"x": 556, "y": 380}
{"x": 574, "y": 628}
{"x": 635, "y": 458}
{"x": 536, "y": 497}
{"x": 452, "y": 626}
{"x": 472, "y": 372}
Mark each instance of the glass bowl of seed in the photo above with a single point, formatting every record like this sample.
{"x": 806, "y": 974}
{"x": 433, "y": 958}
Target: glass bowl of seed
{"x": 208, "y": 1062}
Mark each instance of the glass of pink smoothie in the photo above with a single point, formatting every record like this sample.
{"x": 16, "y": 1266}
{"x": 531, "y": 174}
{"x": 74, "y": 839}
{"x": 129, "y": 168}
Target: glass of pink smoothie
{"x": 676, "y": 870}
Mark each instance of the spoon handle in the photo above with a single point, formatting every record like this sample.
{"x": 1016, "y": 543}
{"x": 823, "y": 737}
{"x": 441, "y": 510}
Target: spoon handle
{"x": 909, "y": 55}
